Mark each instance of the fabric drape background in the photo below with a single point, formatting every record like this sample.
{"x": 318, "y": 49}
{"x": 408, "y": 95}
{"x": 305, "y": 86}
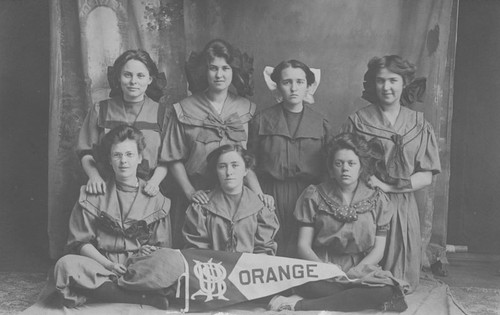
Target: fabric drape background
{"x": 87, "y": 36}
{"x": 337, "y": 36}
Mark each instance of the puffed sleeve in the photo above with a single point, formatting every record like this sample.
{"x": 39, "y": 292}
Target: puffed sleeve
{"x": 427, "y": 158}
{"x": 267, "y": 227}
{"x": 195, "y": 231}
{"x": 162, "y": 229}
{"x": 89, "y": 132}
{"x": 174, "y": 147}
{"x": 306, "y": 206}
{"x": 82, "y": 229}
{"x": 347, "y": 126}
{"x": 384, "y": 211}
{"x": 161, "y": 233}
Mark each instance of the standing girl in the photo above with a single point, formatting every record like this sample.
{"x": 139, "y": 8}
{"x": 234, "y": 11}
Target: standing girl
{"x": 132, "y": 79}
{"x": 204, "y": 121}
{"x": 411, "y": 155}
{"x": 287, "y": 140}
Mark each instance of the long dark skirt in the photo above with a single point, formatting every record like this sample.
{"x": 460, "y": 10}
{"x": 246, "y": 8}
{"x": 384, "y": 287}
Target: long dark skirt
{"x": 179, "y": 205}
{"x": 285, "y": 195}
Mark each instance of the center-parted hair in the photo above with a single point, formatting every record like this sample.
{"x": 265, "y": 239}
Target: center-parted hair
{"x": 241, "y": 65}
{"x": 370, "y": 153}
{"x": 114, "y": 73}
{"x": 213, "y": 158}
{"x": 197, "y": 65}
{"x": 292, "y": 63}
{"x": 218, "y": 48}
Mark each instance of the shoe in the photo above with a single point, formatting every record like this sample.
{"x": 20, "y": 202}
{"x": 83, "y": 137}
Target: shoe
{"x": 397, "y": 303}
{"x": 439, "y": 269}
{"x": 283, "y": 303}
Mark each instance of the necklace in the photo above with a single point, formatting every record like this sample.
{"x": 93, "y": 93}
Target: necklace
{"x": 136, "y": 115}
{"x": 126, "y": 189}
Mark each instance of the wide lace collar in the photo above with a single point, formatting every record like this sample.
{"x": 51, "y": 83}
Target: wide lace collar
{"x": 331, "y": 201}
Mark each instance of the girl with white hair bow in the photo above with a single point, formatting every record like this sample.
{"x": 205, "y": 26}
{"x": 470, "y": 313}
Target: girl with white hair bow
{"x": 288, "y": 140}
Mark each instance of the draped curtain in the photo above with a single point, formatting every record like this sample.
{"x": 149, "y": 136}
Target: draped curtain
{"x": 87, "y": 36}
{"x": 337, "y": 36}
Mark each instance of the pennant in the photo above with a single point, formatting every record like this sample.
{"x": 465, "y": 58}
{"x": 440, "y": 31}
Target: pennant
{"x": 218, "y": 279}
{"x": 208, "y": 279}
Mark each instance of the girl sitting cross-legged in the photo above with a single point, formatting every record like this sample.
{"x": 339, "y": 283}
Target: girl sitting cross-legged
{"x": 345, "y": 222}
{"x": 105, "y": 230}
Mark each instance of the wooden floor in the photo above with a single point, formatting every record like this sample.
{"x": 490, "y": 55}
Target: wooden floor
{"x": 474, "y": 281}
{"x": 473, "y": 270}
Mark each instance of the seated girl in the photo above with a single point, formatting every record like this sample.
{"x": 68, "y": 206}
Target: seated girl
{"x": 105, "y": 230}
{"x": 345, "y": 222}
{"x": 234, "y": 219}
{"x": 135, "y": 89}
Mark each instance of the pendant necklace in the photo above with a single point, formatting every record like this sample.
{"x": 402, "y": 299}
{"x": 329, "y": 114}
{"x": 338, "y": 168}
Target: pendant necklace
{"x": 136, "y": 115}
{"x": 127, "y": 188}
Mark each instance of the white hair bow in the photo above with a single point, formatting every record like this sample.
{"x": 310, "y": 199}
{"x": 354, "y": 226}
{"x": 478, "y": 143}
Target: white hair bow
{"x": 271, "y": 85}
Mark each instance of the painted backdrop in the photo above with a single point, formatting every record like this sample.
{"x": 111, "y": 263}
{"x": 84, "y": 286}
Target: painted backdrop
{"x": 337, "y": 36}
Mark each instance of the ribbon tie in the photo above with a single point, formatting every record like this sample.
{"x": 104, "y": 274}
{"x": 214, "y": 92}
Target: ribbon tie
{"x": 397, "y": 139}
{"x": 232, "y": 127}
{"x": 231, "y": 241}
{"x": 398, "y": 155}
{"x": 397, "y": 166}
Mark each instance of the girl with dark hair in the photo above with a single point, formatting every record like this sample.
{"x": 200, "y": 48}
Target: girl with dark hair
{"x": 411, "y": 155}
{"x": 107, "y": 229}
{"x": 204, "y": 121}
{"x": 234, "y": 219}
{"x": 288, "y": 140}
{"x": 134, "y": 95}
{"x": 344, "y": 222}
